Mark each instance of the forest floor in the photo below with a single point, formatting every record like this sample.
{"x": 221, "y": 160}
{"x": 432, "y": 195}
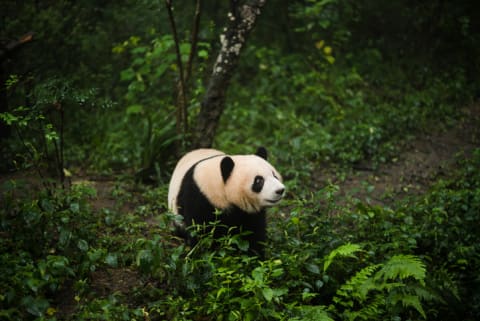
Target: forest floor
{"x": 423, "y": 160}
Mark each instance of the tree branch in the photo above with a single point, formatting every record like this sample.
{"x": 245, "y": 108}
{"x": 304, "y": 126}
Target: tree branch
{"x": 182, "y": 123}
{"x": 193, "y": 41}
{"x": 7, "y": 49}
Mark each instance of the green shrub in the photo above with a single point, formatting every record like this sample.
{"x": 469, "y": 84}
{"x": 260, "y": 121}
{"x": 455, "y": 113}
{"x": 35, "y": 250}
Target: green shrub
{"x": 46, "y": 242}
{"x": 439, "y": 227}
{"x": 51, "y": 243}
{"x": 301, "y": 281}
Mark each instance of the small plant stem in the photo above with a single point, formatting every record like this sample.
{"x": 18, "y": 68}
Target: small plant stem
{"x": 182, "y": 123}
{"x": 35, "y": 162}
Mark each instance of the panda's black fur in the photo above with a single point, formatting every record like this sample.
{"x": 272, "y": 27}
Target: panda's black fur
{"x": 195, "y": 208}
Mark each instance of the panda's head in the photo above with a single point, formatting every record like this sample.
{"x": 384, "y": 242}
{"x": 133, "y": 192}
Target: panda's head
{"x": 251, "y": 183}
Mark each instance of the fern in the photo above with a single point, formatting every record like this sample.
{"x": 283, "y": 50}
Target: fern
{"x": 407, "y": 300}
{"x": 403, "y": 267}
{"x": 346, "y": 250}
{"x": 379, "y": 288}
{"x": 311, "y": 313}
{"x": 358, "y": 286}
{"x": 368, "y": 311}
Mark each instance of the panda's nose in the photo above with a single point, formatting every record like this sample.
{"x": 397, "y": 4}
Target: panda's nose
{"x": 280, "y": 191}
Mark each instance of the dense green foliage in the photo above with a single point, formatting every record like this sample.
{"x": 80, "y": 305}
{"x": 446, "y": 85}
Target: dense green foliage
{"x": 321, "y": 84}
{"x": 414, "y": 260}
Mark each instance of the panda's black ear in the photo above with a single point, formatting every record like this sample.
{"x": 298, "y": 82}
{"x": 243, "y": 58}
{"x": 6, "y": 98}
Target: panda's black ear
{"x": 262, "y": 152}
{"x": 226, "y": 165}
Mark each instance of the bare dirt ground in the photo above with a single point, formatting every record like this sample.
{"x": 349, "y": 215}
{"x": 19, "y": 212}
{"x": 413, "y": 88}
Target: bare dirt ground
{"x": 425, "y": 159}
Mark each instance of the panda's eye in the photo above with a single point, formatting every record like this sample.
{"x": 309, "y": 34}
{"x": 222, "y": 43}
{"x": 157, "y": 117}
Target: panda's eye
{"x": 258, "y": 184}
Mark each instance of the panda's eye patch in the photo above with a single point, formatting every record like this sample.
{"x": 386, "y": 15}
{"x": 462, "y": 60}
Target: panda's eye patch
{"x": 258, "y": 184}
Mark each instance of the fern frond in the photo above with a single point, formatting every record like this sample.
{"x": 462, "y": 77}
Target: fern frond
{"x": 371, "y": 311}
{"x": 424, "y": 294}
{"x": 375, "y": 288}
{"x": 403, "y": 267}
{"x": 414, "y": 302}
{"x": 312, "y": 313}
{"x": 346, "y": 250}
{"x": 359, "y": 285}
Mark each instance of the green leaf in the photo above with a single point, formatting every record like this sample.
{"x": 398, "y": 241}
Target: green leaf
{"x": 358, "y": 286}
{"x": 203, "y": 54}
{"x": 160, "y": 70}
{"x": 144, "y": 258}
{"x": 139, "y": 50}
{"x": 346, "y": 250}
{"x": 138, "y": 61}
{"x": 330, "y": 59}
{"x": 127, "y": 74}
{"x": 111, "y": 259}
{"x": 184, "y": 48}
{"x": 258, "y": 274}
{"x": 313, "y": 268}
{"x": 308, "y": 295}
{"x": 8, "y": 118}
{"x": 312, "y": 313}
{"x": 95, "y": 255}
{"x": 267, "y": 294}
{"x": 35, "y": 306}
{"x": 75, "y": 207}
{"x": 319, "y": 284}
{"x": 82, "y": 245}
{"x": 403, "y": 267}
{"x": 135, "y": 109}
{"x": 414, "y": 302}
{"x": 47, "y": 205}
{"x": 34, "y": 284}
{"x": 64, "y": 237}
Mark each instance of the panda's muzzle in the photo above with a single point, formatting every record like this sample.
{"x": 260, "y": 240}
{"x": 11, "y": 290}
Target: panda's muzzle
{"x": 279, "y": 192}
{"x": 274, "y": 201}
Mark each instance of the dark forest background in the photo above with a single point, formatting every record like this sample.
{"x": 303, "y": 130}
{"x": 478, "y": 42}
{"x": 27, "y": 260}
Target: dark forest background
{"x": 98, "y": 100}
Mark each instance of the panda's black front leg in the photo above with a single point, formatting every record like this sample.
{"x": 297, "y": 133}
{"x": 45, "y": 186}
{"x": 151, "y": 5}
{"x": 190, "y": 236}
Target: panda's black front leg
{"x": 256, "y": 224}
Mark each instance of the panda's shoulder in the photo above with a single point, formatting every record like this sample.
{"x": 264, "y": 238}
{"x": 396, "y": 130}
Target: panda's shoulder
{"x": 202, "y": 153}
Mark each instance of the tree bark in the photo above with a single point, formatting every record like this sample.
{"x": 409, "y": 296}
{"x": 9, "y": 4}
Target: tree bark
{"x": 241, "y": 21}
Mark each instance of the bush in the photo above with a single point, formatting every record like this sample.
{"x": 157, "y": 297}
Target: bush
{"x": 305, "y": 278}
{"x": 438, "y": 227}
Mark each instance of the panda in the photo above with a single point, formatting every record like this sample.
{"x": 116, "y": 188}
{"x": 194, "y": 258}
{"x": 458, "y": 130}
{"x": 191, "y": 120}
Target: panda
{"x": 241, "y": 187}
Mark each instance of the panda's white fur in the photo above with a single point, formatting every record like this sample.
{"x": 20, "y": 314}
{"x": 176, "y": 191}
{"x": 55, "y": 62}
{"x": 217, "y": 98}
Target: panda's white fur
{"x": 183, "y": 165}
{"x": 240, "y": 186}
{"x": 237, "y": 190}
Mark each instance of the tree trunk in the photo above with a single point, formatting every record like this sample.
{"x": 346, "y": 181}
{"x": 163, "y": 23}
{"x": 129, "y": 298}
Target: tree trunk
{"x": 241, "y": 21}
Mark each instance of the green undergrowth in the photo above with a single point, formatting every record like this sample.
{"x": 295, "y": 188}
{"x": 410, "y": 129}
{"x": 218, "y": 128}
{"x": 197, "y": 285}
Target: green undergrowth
{"x": 321, "y": 84}
{"x": 412, "y": 261}
{"x": 311, "y": 113}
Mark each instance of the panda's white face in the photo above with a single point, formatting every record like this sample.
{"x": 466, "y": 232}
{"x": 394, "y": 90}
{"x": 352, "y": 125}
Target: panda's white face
{"x": 269, "y": 189}
{"x": 253, "y": 184}
{"x": 246, "y": 181}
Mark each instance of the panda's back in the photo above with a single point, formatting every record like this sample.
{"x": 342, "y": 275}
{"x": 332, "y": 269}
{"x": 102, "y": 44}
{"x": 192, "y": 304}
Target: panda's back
{"x": 183, "y": 166}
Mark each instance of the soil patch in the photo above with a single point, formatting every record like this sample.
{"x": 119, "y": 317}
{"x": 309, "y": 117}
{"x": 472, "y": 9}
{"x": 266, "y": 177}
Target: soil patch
{"x": 423, "y": 161}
